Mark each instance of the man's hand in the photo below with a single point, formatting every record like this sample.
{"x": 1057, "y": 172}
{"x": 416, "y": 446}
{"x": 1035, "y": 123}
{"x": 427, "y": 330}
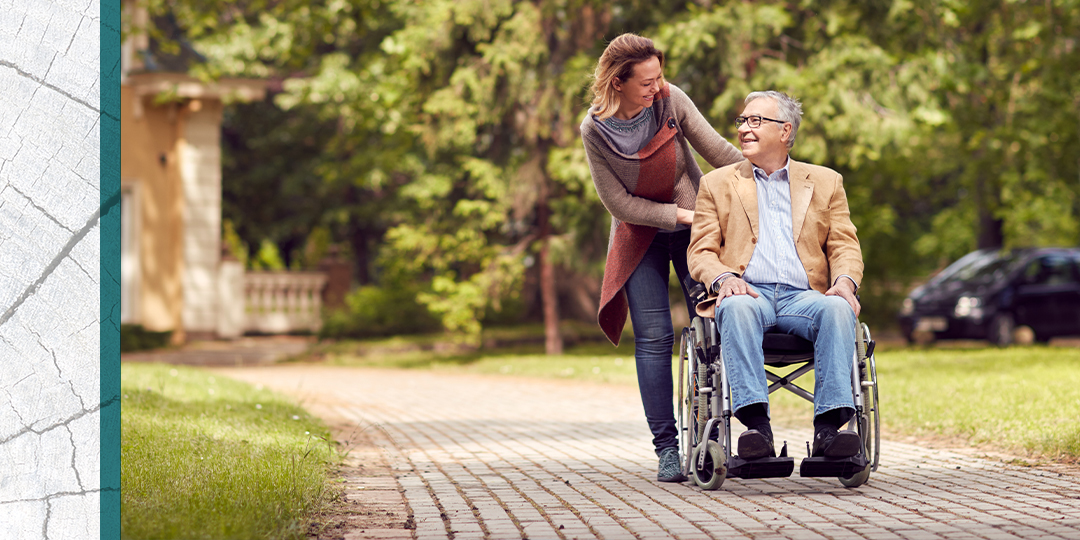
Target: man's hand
{"x": 733, "y": 286}
{"x": 845, "y": 289}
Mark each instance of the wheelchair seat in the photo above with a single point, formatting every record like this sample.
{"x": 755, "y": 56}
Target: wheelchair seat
{"x": 782, "y": 349}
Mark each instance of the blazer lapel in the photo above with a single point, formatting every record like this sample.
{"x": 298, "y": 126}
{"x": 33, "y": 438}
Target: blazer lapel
{"x": 802, "y": 190}
{"x": 746, "y": 188}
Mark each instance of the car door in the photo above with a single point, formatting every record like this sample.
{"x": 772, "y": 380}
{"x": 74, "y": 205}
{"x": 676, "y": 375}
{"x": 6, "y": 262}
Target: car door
{"x": 1070, "y": 300}
{"x": 1045, "y": 298}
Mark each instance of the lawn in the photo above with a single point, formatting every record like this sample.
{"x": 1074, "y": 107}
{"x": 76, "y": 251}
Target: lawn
{"x": 205, "y": 457}
{"x": 1021, "y": 399}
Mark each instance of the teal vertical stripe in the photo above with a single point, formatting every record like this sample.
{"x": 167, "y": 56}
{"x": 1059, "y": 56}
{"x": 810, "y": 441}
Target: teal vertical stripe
{"x": 110, "y": 269}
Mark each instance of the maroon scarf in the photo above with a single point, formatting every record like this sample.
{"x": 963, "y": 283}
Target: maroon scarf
{"x": 656, "y": 181}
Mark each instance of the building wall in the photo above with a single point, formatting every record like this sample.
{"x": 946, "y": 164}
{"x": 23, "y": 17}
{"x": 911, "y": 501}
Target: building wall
{"x": 148, "y": 157}
{"x": 200, "y": 170}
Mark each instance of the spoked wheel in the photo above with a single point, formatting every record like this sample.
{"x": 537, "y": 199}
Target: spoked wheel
{"x": 869, "y": 421}
{"x": 707, "y": 463}
{"x": 709, "y": 470}
{"x": 686, "y": 416}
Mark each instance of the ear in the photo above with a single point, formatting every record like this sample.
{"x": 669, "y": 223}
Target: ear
{"x": 616, "y": 84}
{"x": 785, "y": 133}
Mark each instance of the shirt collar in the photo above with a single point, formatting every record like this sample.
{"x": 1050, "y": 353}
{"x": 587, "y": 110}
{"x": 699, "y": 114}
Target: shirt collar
{"x": 759, "y": 173}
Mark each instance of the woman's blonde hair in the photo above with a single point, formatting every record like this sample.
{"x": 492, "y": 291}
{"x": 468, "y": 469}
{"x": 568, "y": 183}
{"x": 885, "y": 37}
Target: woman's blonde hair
{"x": 617, "y": 62}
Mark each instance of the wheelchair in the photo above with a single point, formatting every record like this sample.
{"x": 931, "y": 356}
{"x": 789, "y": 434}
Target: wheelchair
{"x": 704, "y": 406}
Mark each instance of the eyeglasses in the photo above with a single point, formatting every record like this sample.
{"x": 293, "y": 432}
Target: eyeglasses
{"x": 754, "y": 121}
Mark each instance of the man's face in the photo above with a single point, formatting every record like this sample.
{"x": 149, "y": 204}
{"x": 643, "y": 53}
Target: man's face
{"x": 767, "y": 141}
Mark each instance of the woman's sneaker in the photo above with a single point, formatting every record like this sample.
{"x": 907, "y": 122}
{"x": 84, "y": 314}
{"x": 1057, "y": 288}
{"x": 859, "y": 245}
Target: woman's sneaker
{"x": 670, "y": 470}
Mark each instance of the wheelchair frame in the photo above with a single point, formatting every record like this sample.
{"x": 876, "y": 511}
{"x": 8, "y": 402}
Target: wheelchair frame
{"x": 704, "y": 412}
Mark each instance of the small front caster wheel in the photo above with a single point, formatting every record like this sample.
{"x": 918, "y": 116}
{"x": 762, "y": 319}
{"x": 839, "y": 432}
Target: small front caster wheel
{"x": 711, "y": 473}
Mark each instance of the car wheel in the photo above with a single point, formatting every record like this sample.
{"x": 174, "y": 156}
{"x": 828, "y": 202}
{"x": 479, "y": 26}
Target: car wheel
{"x": 1001, "y": 330}
{"x": 1042, "y": 337}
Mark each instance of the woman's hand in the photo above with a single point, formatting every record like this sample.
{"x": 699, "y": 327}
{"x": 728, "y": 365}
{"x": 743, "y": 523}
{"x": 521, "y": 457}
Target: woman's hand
{"x": 684, "y": 216}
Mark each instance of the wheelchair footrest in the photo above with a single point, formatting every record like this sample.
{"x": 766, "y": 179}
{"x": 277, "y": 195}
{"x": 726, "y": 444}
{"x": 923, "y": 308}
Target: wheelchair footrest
{"x": 766, "y": 467}
{"x": 814, "y": 467}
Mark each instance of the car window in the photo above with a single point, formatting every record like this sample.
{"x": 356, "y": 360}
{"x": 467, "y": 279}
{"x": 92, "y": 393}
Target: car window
{"x": 995, "y": 271}
{"x": 1050, "y": 270}
{"x": 968, "y": 266}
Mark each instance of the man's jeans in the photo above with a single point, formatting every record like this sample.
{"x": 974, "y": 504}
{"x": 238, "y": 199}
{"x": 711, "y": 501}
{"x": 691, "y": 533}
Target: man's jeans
{"x": 654, "y": 338}
{"x": 827, "y": 321}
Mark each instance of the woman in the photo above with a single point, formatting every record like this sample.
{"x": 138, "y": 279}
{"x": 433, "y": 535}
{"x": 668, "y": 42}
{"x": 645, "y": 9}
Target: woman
{"x": 636, "y": 137}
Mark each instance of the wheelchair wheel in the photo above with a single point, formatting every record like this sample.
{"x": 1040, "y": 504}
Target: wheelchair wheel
{"x": 687, "y": 425}
{"x": 690, "y": 423}
{"x": 869, "y": 421}
{"x": 713, "y": 470}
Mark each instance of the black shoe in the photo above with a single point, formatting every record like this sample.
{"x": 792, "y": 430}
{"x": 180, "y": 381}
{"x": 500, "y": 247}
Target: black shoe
{"x": 754, "y": 444}
{"x": 828, "y": 442}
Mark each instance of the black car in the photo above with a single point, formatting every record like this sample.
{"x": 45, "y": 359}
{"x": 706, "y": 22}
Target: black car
{"x": 987, "y": 294}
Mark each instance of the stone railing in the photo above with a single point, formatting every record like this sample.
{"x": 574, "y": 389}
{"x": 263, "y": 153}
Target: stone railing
{"x": 282, "y": 302}
{"x": 268, "y": 302}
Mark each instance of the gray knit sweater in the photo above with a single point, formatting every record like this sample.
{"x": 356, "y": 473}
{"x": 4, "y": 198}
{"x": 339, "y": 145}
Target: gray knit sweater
{"x": 643, "y": 190}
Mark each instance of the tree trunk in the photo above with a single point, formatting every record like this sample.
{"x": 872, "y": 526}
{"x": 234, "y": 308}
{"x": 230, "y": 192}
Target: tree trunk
{"x": 991, "y": 233}
{"x": 553, "y": 343}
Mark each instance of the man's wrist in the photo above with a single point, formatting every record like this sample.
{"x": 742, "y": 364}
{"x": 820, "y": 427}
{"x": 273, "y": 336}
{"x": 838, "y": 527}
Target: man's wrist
{"x": 854, "y": 286}
{"x": 715, "y": 288}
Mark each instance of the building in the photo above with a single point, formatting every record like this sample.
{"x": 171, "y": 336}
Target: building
{"x": 172, "y": 274}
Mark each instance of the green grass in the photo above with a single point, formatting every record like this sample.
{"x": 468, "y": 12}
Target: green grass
{"x": 1019, "y": 399}
{"x": 205, "y": 457}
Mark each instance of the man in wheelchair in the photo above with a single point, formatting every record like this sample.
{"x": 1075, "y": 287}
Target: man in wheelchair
{"x": 773, "y": 240}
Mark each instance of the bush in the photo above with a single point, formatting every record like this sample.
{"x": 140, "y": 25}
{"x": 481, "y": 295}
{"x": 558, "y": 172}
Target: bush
{"x": 133, "y": 337}
{"x": 379, "y": 311}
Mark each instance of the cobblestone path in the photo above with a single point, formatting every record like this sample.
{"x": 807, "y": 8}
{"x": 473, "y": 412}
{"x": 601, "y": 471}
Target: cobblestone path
{"x": 503, "y": 457}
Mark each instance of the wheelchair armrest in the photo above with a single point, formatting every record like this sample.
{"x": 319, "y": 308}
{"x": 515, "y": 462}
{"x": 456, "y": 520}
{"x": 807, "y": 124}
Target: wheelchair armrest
{"x": 696, "y": 289}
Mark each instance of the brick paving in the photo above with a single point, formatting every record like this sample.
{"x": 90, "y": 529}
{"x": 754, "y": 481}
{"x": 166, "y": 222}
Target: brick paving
{"x": 501, "y": 457}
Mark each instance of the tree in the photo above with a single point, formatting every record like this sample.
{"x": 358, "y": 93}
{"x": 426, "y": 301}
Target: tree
{"x": 443, "y": 140}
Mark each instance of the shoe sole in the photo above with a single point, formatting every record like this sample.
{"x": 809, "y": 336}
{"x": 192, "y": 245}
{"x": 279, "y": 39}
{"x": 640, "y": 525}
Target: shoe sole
{"x": 846, "y": 444}
{"x": 754, "y": 445}
{"x": 672, "y": 479}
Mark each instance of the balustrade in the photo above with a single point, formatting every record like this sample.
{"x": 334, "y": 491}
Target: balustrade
{"x": 282, "y": 302}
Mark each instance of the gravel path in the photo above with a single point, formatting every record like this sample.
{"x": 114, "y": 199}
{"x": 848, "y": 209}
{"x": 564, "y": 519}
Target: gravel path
{"x": 502, "y": 457}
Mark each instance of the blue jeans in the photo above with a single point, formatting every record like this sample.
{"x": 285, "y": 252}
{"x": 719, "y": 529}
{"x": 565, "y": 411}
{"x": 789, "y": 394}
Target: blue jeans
{"x": 654, "y": 338}
{"x": 828, "y": 321}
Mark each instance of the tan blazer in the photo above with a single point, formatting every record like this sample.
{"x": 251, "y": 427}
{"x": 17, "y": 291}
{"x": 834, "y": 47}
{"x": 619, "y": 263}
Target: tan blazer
{"x": 726, "y": 228}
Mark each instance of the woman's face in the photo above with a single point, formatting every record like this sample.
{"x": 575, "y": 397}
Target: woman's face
{"x": 642, "y": 86}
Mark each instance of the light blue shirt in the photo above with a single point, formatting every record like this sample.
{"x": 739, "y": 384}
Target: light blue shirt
{"x": 775, "y": 259}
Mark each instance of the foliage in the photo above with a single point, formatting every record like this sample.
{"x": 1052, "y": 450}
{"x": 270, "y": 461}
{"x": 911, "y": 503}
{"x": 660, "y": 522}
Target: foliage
{"x": 209, "y": 457}
{"x": 378, "y": 311}
{"x": 438, "y": 139}
{"x": 134, "y": 337}
{"x": 233, "y": 243}
{"x": 267, "y": 257}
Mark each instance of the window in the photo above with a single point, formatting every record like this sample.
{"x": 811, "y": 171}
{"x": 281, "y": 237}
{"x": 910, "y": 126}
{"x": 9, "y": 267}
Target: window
{"x": 1050, "y": 270}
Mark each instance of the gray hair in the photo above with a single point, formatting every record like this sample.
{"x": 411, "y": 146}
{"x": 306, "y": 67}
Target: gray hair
{"x": 788, "y": 109}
